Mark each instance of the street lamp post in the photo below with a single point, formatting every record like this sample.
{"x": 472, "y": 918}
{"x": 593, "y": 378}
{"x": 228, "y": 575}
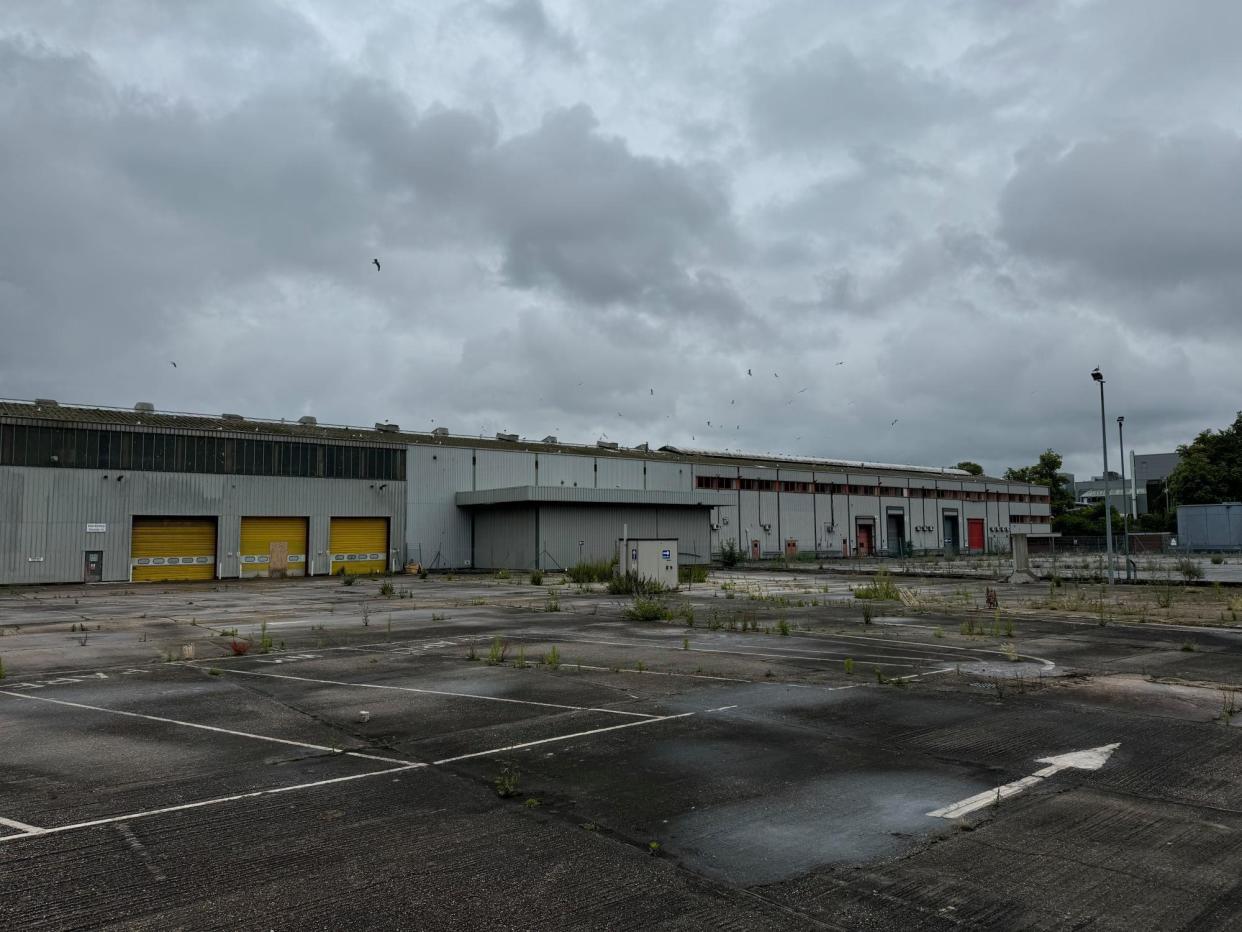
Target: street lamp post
{"x": 1108, "y": 505}
{"x": 1125, "y": 498}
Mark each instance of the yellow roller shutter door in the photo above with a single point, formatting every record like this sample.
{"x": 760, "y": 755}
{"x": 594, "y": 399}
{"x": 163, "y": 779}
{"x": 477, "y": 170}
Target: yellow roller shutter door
{"x": 359, "y": 545}
{"x": 170, "y": 549}
{"x": 273, "y": 546}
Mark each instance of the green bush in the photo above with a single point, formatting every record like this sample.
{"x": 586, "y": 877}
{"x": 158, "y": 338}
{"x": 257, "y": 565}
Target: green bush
{"x": 536, "y": 577}
{"x": 1217, "y": 559}
{"x": 730, "y": 556}
{"x": 644, "y": 608}
{"x": 1189, "y": 569}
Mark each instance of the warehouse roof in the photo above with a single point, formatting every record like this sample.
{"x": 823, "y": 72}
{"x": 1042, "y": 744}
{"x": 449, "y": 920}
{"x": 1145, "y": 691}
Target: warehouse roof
{"x": 391, "y": 435}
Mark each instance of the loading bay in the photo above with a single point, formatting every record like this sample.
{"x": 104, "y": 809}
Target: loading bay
{"x": 481, "y": 753}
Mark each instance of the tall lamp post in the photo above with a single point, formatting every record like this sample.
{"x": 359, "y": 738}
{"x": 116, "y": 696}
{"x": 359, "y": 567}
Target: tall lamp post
{"x": 1108, "y": 504}
{"x": 1125, "y": 498}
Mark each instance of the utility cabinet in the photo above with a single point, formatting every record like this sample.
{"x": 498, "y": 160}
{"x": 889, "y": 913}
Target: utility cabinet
{"x": 650, "y": 558}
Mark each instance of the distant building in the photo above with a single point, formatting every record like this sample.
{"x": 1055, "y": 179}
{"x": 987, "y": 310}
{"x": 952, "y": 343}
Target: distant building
{"x": 1145, "y": 489}
{"x": 1210, "y": 527}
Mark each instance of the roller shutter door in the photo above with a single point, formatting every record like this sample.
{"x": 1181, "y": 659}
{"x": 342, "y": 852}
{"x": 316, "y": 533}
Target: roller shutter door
{"x": 273, "y": 547}
{"x": 170, "y": 549}
{"x": 359, "y": 545}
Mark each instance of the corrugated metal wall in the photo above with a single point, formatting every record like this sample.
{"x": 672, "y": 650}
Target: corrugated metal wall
{"x": 561, "y": 527}
{"x": 44, "y": 514}
{"x": 437, "y": 531}
{"x": 673, "y": 477}
{"x": 505, "y": 538}
{"x": 612, "y": 473}
{"x": 502, "y": 469}
{"x": 572, "y": 471}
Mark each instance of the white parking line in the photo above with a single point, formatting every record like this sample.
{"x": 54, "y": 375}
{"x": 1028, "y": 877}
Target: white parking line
{"x": 223, "y": 731}
{"x": 30, "y": 831}
{"x": 441, "y": 692}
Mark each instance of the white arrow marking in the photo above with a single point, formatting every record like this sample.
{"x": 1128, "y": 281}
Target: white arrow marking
{"x": 1090, "y": 759}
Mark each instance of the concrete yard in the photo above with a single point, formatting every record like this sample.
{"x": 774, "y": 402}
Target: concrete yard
{"x": 724, "y": 774}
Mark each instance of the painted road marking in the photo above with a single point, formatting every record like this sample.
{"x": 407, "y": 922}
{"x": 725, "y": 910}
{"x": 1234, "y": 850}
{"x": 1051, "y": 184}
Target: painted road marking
{"x": 580, "y": 734}
{"x": 20, "y": 826}
{"x": 1090, "y": 759}
{"x": 441, "y": 692}
{"x": 30, "y": 831}
{"x": 223, "y": 731}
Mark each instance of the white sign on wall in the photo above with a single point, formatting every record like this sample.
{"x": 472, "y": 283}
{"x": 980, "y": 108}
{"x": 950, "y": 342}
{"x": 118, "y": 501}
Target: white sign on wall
{"x": 97, "y": 529}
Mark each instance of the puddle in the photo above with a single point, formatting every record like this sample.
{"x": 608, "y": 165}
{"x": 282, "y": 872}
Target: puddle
{"x": 842, "y": 819}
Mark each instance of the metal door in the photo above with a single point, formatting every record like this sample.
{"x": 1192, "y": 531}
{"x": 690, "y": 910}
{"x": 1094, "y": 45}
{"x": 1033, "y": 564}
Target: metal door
{"x": 755, "y": 551}
{"x": 865, "y": 540}
{"x": 896, "y": 535}
{"x": 974, "y": 534}
{"x": 952, "y": 535}
{"x": 93, "y": 571}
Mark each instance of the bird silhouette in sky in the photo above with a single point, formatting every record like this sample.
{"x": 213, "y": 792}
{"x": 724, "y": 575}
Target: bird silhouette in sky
{"x": 895, "y": 420}
{"x": 173, "y": 364}
{"x": 801, "y": 390}
{"x": 748, "y": 372}
{"x": 841, "y": 363}
{"x": 776, "y": 375}
{"x": 652, "y": 391}
{"x": 376, "y": 263}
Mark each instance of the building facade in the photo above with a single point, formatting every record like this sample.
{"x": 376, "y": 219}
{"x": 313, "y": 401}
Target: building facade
{"x": 100, "y": 494}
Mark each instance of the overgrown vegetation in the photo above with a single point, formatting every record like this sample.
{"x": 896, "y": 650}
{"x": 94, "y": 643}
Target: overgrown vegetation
{"x": 695, "y": 573}
{"x": 881, "y": 588}
{"x": 597, "y": 571}
{"x": 633, "y": 584}
{"x": 506, "y": 782}
{"x": 536, "y": 577}
{"x": 645, "y": 608}
{"x": 387, "y": 589}
{"x": 730, "y": 556}
{"x": 1189, "y": 569}
{"x": 496, "y": 653}
{"x": 553, "y": 602}
{"x": 347, "y": 579}
{"x": 552, "y": 659}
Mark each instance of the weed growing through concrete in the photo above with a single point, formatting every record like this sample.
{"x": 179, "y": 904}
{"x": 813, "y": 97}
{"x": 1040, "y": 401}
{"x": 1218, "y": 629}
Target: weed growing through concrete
{"x": 868, "y": 614}
{"x": 437, "y": 616}
{"x": 553, "y": 602}
{"x": 520, "y": 663}
{"x": 685, "y": 643}
{"x": 496, "y": 653}
{"x": 880, "y": 677}
{"x": 881, "y": 587}
{"x": 640, "y": 667}
{"x": 503, "y": 574}
{"x": 2, "y": 673}
{"x": 653, "y": 848}
{"x": 536, "y": 577}
{"x": 1228, "y": 705}
{"x": 937, "y": 632}
{"x": 1010, "y": 652}
{"x": 366, "y": 616}
{"x": 1008, "y": 627}
{"x": 386, "y": 589}
{"x": 471, "y": 653}
{"x": 783, "y": 628}
{"x": 214, "y": 671}
{"x": 1188, "y": 646}
{"x": 532, "y": 803}
{"x": 644, "y": 608}
{"x": 347, "y": 579}
{"x": 265, "y": 639}
{"x": 552, "y": 659}
{"x": 506, "y": 782}
{"x": 849, "y": 665}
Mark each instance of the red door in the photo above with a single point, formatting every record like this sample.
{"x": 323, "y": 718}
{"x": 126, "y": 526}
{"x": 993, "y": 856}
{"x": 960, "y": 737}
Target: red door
{"x": 974, "y": 533}
{"x": 864, "y": 540}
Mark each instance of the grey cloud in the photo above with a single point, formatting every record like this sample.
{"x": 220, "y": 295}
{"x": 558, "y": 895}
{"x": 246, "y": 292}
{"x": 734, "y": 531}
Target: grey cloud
{"x": 1136, "y": 207}
{"x": 830, "y": 95}
{"x": 529, "y": 20}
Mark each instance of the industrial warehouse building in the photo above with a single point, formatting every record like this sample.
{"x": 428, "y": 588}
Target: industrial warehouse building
{"x": 105, "y": 494}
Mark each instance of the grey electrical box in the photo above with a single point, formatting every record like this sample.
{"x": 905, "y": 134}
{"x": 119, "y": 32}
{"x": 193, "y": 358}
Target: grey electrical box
{"x": 650, "y": 558}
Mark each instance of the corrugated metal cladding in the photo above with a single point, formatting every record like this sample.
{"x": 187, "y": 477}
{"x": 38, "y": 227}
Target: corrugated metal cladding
{"x": 498, "y": 469}
{"x": 437, "y": 531}
{"x": 671, "y": 477}
{"x": 618, "y": 473}
{"x": 52, "y": 516}
{"x": 505, "y": 538}
{"x": 562, "y": 527}
{"x": 572, "y": 471}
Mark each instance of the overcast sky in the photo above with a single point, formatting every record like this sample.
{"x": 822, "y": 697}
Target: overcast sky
{"x": 594, "y": 218}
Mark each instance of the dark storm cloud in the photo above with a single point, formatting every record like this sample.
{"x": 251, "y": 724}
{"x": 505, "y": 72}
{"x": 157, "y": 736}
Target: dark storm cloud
{"x": 529, "y": 21}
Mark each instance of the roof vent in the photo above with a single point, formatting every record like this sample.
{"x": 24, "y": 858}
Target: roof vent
{"x": 607, "y": 445}
{"x": 551, "y": 438}
{"x": 388, "y": 428}
{"x": 47, "y": 403}
{"x": 646, "y": 448}
{"x": 231, "y": 417}
{"x": 144, "y": 407}
{"x": 508, "y": 437}
{"x": 307, "y": 421}
{"x": 440, "y": 432}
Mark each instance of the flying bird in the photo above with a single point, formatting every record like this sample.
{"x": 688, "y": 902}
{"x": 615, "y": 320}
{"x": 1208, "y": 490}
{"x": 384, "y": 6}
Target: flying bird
{"x": 748, "y": 372}
{"x": 732, "y": 400}
{"x": 776, "y": 375}
{"x": 709, "y": 423}
{"x": 652, "y": 391}
{"x": 895, "y": 420}
{"x": 841, "y": 363}
{"x": 376, "y": 263}
{"x": 801, "y": 390}
{"x": 173, "y": 364}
